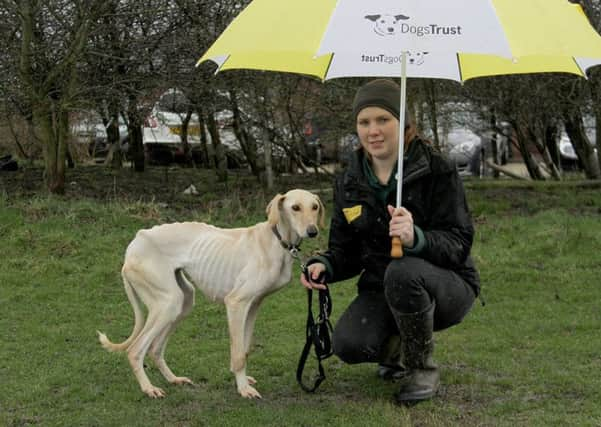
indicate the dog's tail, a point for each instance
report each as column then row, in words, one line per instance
column 138, row 324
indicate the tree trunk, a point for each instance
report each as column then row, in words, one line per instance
column 136, row 135
column 595, row 86
column 430, row 90
column 268, row 164
column 207, row 158
column 505, row 170
column 598, row 132
column 494, row 146
column 551, row 137
column 136, row 144
column 9, row 120
column 184, row 138
column 113, row 137
column 522, row 139
column 49, row 95
column 246, row 140
column 551, row 166
column 218, row 149
column 54, row 130
column 70, row 160
column 586, row 154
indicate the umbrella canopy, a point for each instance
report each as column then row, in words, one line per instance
column 351, row 38
column 458, row 39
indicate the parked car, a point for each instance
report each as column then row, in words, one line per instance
column 470, row 150
column 461, row 145
column 162, row 137
column 89, row 129
column 568, row 157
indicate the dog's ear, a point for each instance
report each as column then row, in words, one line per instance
column 322, row 213
column 399, row 17
column 372, row 18
column 273, row 209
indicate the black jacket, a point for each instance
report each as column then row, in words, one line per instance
column 432, row 191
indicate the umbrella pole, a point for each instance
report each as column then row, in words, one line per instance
column 396, row 250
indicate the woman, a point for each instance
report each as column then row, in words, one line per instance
column 433, row 286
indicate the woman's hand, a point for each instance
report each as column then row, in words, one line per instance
column 401, row 225
column 314, row 271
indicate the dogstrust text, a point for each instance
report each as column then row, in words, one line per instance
column 381, row 59
column 428, row 30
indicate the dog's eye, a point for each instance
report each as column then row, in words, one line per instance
column 315, row 207
column 382, row 21
column 296, row 208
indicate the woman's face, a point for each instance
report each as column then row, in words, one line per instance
column 378, row 131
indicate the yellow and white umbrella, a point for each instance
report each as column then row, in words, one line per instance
column 357, row 38
column 451, row 39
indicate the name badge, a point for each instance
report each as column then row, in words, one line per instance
column 352, row 214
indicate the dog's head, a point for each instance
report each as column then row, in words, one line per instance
column 416, row 58
column 386, row 25
column 299, row 210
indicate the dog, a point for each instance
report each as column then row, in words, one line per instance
column 164, row 266
column 386, row 25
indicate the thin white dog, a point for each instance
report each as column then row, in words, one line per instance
column 239, row 267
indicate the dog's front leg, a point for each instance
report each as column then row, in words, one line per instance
column 237, row 315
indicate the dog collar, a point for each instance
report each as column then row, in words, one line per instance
column 292, row 248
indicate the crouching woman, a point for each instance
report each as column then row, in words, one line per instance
column 400, row 302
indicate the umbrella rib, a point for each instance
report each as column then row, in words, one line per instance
column 325, row 75
column 580, row 68
column 459, row 67
column 223, row 63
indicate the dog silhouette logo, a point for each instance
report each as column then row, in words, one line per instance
column 386, row 25
column 416, row 58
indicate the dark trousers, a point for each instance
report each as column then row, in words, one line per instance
column 411, row 284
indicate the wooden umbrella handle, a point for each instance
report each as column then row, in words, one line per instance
column 396, row 251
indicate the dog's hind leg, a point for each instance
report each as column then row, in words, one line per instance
column 164, row 304
column 237, row 316
column 157, row 348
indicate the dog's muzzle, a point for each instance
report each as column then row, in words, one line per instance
column 312, row 231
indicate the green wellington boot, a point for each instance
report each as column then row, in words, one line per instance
column 417, row 345
column 390, row 366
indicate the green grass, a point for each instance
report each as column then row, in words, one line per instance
column 529, row 357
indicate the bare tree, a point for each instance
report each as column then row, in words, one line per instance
column 200, row 23
column 48, row 42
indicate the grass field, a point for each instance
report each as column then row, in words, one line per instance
column 530, row 357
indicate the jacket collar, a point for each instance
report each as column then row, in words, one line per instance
column 415, row 165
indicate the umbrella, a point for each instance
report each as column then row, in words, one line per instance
column 457, row 39
column 287, row 35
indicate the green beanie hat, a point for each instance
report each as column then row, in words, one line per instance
column 381, row 93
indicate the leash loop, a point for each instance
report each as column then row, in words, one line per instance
column 317, row 335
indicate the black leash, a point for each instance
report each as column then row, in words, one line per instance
column 318, row 335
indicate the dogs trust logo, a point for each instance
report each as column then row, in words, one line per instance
column 413, row 58
column 391, row 25
column 386, row 25
column 416, row 58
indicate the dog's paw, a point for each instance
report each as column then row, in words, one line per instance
column 251, row 380
column 181, row 380
column 249, row 392
column 155, row 392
